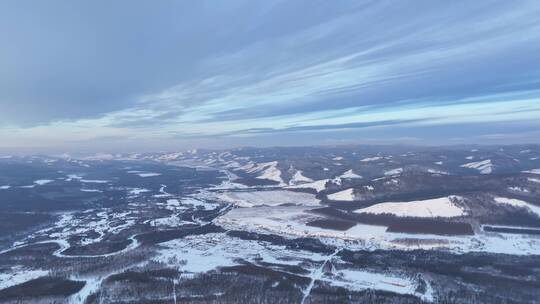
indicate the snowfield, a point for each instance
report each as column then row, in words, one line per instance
column 137, row 191
column 299, row 178
column 266, row 170
column 370, row 159
column 534, row 180
column 291, row 221
column 484, row 166
column 18, row 275
column 356, row 279
column 533, row 171
column 518, row 203
column 396, row 171
column 350, row 174
column 90, row 190
column 94, row 181
column 318, row 186
column 273, row 174
column 143, row 173
column 197, row 254
column 41, row 182
column 439, row 207
column 210, row 251
column 148, row 174
column 345, row 195
column 268, row 198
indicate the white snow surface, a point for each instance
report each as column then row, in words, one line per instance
column 18, row 275
column 291, row 221
column 268, row 198
column 345, row 195
column 271, row 172
column 319, row 185
column 358, row 279
column 148, row 174
column 94, row 181
column 484, row 166
column 435, row 171
column 534, row 180
column 518, row 203
column 90, row 190
column 533, row 171
column 369, row 159
column 396, row 171
column 349, row 174
column 5, row 187
column 299, row 178
column 137, row 191
column 203, row 253
column 42, row 182
column 438, row 207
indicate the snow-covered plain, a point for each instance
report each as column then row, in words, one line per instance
column 291, row 221
column 358, row 279
column 196, row 254
column 268, row 198
column 207, row 252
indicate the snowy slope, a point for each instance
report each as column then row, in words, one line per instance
column 345, row 195
column 518, row 203
column 439, row 207
column 299, row 178
column 349, row 174
column 319, row 185
column 484, row 166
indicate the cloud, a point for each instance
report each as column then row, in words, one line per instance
column 205, row 68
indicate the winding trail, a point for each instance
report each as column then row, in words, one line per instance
column 64, row 245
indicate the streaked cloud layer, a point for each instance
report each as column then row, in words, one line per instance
column 216, row 73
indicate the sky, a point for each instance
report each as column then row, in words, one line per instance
column 162, row 75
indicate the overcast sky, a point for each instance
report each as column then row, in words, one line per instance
column 161, row 75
